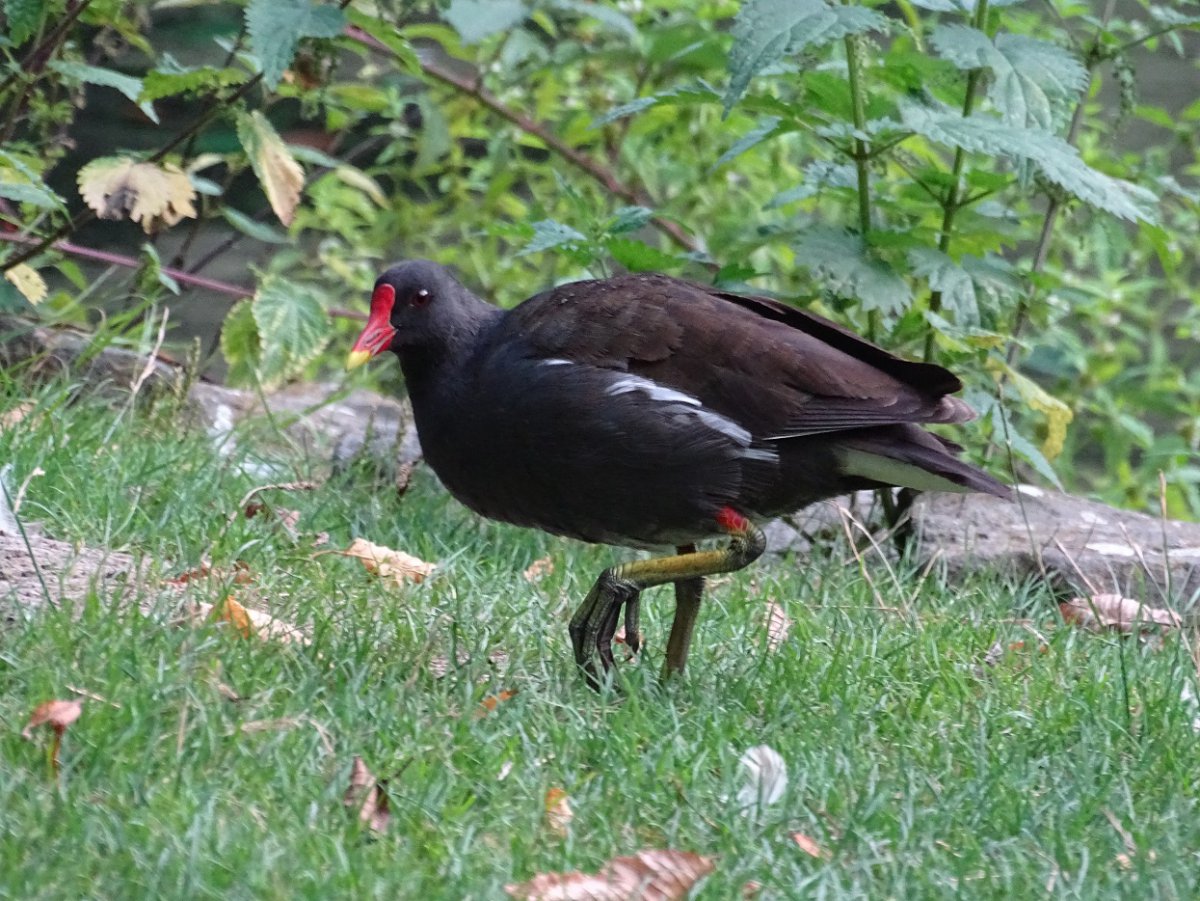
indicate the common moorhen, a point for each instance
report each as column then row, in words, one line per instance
column 644, row 411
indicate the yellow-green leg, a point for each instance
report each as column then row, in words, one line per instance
column 595, row 622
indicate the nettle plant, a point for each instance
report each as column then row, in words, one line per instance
column 941, row 175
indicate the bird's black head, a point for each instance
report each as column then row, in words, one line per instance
column 415, row 304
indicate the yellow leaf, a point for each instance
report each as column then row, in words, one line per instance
column 117, row 187
column 28, row 281
column 1058, row 415
column 389, row 564
column 278, row 172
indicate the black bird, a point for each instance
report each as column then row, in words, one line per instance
column 644, row 411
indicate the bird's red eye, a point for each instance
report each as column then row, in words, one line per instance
column 419, row 298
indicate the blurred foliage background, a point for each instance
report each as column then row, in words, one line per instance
column 1009, row 189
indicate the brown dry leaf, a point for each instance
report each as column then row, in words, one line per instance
column 1112, row 611
column 778, row 625
column 491, row 702
column 29, row 282
column 389, row 564
column 250, row 623
column 241, row 575
column 646, row 876
column 808, row 845
column 55, row 714
column 278, row 172
column 539, row 569
column 368, row 796
column 14, row 415
column 558, row 811
column 154, row 195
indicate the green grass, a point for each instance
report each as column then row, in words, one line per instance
column 922, row 773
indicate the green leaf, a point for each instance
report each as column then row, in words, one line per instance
column 475, row 20
column 767, row 30
column 767, row 127
column 1058, row 161
column 548, row 234
column 292, row 328
column 686, row 95
column 385, row 32
column 845, row 266
column 1027, row 451
column 128, row 85
column 259, row 231
column 171, row 79
column 605, row 15
column 152, row 271
column 628, row 219
column 638, row 257
column 276, row 27
column 1030, row 77
column 240, row 345
column 817, row 175
column 950, row 280
column 24, row 192
column 23, row 18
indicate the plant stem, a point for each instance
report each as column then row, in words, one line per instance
column 861, row 154
column 953, row 202
column 1042, row 249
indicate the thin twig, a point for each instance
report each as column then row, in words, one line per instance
column 186, row 278
column 601, row 173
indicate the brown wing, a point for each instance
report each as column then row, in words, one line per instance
column 776, row 370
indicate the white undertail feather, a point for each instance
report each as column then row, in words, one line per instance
column 894, row 472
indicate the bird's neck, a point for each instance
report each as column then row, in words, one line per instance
column 433, row 363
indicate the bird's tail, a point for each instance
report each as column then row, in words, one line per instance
column 910, row 457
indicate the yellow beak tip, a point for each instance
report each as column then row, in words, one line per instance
column 357, row 358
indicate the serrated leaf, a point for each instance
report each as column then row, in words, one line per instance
column 1057, row 414
column 628, row 219
column 765, row 31
column 845, row 265
column 1030, row 77
column 292, row 328
column 259, row 231
column 28, row 281
column 548, row 234
column 154, row 195
column 128, row 85
column 277, row 26
column 1059, row 161
column 680, row 96
column 172, row 81
column 639, row 257
column 817, row 175
column 767, row 127
column 278, row 172
column 240, row 345
column 475, row 20
column 37, row 195
column 950, row 280
column 23, row 18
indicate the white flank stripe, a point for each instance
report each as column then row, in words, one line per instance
column 715, row 421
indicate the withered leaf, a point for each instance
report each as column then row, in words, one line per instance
column 778, row 625
column 368, row 796
column 55, row 714
column 29, row 282
column 490, row 703
column 645, row 876
column 278, row 172
column 558, row 811
column 397, row 566
column 1113, row 611
column 250, row 623
column 808, row 845
column 154, row 195
column 539, row 569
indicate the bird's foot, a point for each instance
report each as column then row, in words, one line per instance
column 595, row 623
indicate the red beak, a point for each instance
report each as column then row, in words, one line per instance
column 378, row 335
